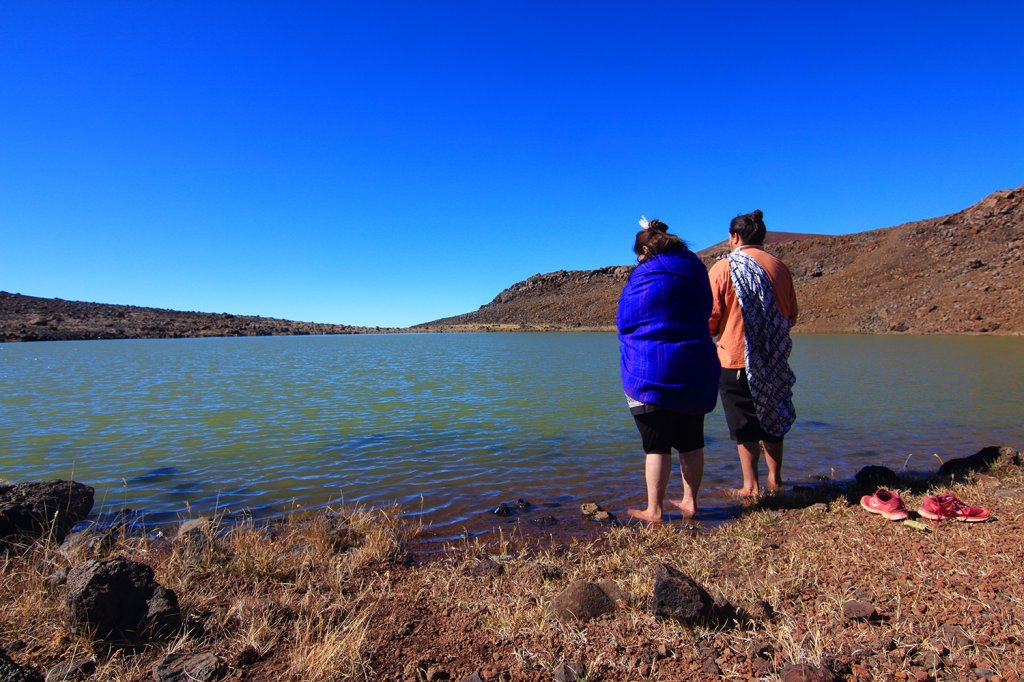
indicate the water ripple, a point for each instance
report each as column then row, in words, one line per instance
column 449, row 425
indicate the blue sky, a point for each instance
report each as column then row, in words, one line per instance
column 391, row 163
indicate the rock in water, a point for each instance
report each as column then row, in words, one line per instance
column 677, row 595
column 45, row 509
column 119, row 600
column 877, row 477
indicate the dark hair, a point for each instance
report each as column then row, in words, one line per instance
column 750, row 227
column 657, row 239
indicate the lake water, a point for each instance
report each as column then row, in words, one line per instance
column 450, row 425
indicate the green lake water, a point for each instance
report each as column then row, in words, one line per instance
column 449, row 425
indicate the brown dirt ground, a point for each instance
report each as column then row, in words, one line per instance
column 291, row 603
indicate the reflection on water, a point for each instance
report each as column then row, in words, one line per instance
column 450, row 425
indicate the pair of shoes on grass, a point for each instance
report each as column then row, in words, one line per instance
column 889, row 505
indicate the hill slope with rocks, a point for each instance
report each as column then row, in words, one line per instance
column 30, row 318
column 957, row 274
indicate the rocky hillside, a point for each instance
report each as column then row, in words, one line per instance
column 28, row 318
column 958, row 274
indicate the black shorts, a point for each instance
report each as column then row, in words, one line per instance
column 662, row 430
column 738, row 405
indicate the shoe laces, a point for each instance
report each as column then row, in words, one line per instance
column 949, row 505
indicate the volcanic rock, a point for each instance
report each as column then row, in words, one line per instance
column 570, row 671
column 12, row 672
column 74, row 669
column 877, row 477
column 676, row 595
column 805, row 672
column 48, row 508
column 581, row 601
column 181, row 667
column 983, row 460
column 119, row 600
column 858, row 609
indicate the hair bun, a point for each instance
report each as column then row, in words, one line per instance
column 657, row 226
column 758, row 216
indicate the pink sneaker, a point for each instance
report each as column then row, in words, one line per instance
column 885, row 502
column 945, row 506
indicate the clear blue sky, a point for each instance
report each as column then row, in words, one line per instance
column 391, row 163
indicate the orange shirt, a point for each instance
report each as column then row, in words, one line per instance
column 726, row 317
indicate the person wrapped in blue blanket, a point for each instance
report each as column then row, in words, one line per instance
column 669, row 365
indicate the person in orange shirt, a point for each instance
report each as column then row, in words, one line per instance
column 753, row 307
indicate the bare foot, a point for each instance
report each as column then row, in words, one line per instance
column 644, row 515
column 688, row 508
column 742, row 492
column 774, row 487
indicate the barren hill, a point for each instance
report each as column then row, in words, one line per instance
column 958, row 274
column 29, row 318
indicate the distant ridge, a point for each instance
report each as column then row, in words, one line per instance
column 30, row 318
column 957, row 274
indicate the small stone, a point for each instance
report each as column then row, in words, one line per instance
column 483, row 568
column 181, row 667
column 75, row 669
column 818, row 508
column 930, row 660
column 805, row 672
column 548, row 572
column 437, row 674
column 570, row 671
column 589, row 508
column 195, row 531
column 523, row 504
column 580, row 601
column 501, row 510
column 858, row 609
column 710, row 667
column 12, row 672
column 544, row 521
column 473, row 677
column 954, row 636
column 56, row 579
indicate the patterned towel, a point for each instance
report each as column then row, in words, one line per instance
column 768, row 345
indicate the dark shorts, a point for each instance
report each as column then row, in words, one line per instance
column 662, row 430
column 738, row 405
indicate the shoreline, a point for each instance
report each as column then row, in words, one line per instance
column 339, row 596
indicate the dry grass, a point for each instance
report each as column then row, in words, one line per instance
column 329, row 597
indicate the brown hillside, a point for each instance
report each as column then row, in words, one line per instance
column 958, row 274
column 29, row 318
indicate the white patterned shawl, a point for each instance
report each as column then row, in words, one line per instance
column 767, row 345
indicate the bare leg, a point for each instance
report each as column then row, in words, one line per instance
column 773, row 457
column 691, row 465
column 749, row 454
column 657, row 470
